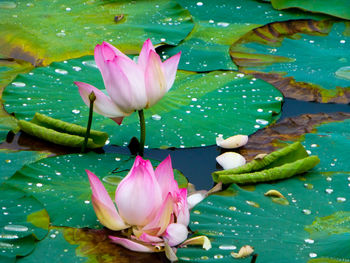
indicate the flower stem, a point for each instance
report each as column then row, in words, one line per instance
column 142, row 132
column 92, row 99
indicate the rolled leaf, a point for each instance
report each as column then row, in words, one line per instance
column 281, row 172
column 60, row 132
column 287, row 154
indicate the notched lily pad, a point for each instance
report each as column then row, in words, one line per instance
column 196, row 109
column 68, row 22
column 291, row 54
column 290, row 129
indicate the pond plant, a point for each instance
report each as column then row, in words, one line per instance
column 76, row 187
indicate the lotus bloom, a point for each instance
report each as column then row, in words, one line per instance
column 130, row 85
column 148, row 202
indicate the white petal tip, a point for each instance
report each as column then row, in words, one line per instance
column 232, row 142
column 230, row 160
column 195, row 198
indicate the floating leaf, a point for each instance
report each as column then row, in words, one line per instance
column 11, row 161
column 290, row 129
column 338, row 8
column 193, row 113
column 311, row 227
column 123, row 23
column 62, row 185
column 84, row 245
column 290, row 55
column 218, row 25
column 281, row 164
column 9, row 69
column 62, row 133
column 18, row 232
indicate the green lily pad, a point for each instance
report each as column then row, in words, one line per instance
column 23, row 220
column 218, row 25
column 311, row 225
column 197, row 108
column 62, row 185
column 123, row 23
column 11, row 161
column 338, row 8
column 84, row 245
column 8, row 71
column 293, row 62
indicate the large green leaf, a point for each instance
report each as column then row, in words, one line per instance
column 72, row 28
column 11, row 161
column 62, row 185
column 23, row 220
column 84, row 245
column 338, row 8
column 311, row 224
column 309, row 66
column 218, row 25
column 196, row 109
column 9, row 69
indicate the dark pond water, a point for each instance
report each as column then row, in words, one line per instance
column 197, row 164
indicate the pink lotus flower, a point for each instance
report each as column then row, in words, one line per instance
column 131, row 86
column 149, row 202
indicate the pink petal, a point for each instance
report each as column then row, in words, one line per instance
column 118, row 120
column 103, row 205
column 124, row 82
column 165, row 177
column 150, row 239
column 163, row 217
column 103, row 104
column 155, row 81
column 170, row 68
column 138, row 195
column 143, row 58
column 105, row 52
column 175, row 234
column 132, row 245
column 182, row 211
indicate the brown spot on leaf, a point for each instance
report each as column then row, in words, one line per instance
column 95, row 245
column 303, row 90
column 290, row 129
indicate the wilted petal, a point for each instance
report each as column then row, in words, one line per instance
column 232, row 142
column 244, row 251
column 170, row 252
column 124, row 82
column 155, row 81
column 165, row 178
column 200, row 240
column 170, row 69
column 175, row 234
column 182, row 210
column 103, row 104
column 162, row 219
column 143, row 58
column 132, row 245
column 195, row 198
column 138, row 195
column 103, row 205
column 230, row 160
